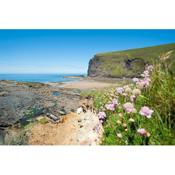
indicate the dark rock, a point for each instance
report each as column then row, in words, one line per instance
column 23, row 103
column 94, row 68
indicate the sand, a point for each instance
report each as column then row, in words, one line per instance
column 82, row 129
column 83, row 84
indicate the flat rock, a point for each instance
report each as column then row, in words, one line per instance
column 19, row 98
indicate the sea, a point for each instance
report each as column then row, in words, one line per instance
column 41, row 78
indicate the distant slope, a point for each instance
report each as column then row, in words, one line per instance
column 130, row 63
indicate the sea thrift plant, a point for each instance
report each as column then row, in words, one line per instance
column 102, row 116
column 146, row 111
column 143, row 132
column 115, row 102
column 132, row 98
column 110, row 106
column 143, row 83
column 120, row 90
column 125, row 111
column 128, row 90
column 136, row 92
column 129, row 107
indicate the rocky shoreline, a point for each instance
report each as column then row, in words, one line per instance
column 22, row 102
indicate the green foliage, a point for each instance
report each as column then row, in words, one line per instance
column 162, row 94
column 43, row 121
column 159, row 96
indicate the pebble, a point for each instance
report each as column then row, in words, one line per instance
column 79, row 120
column 79, row 110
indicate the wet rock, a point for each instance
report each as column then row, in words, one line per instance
column 28, row 100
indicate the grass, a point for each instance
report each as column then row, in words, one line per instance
column 113, row 63
column 159, row 96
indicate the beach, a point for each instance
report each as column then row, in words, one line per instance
column 84, row 84
column 54, row 104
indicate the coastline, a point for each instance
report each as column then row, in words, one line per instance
column 48, row 101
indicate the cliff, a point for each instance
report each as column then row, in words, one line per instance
column 130, row 63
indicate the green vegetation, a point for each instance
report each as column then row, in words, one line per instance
column 114, row 63
column 133, row 128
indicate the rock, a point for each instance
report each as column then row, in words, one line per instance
column 62, row 112
column 79, row 110
column 51, row 116
column 79, row 120
column 3, row 94
column 26, row 100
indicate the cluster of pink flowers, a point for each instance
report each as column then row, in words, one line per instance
column 129, row 107
column 130, row 93
column 145, row 82
column 112, row 106
column 120, row 90
column 146, row 111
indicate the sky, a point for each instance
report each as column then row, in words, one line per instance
column 68, row 51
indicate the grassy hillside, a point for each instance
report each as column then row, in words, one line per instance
column 129, row 63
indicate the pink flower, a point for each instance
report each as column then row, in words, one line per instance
column 102, row 116
column 110, row 106
column 120, row 90
column 115, row 102
column 144, row 83
column 143, row 132
column 146, row 111
column 129, row 107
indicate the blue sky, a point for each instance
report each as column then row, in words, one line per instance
column 68, row 51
